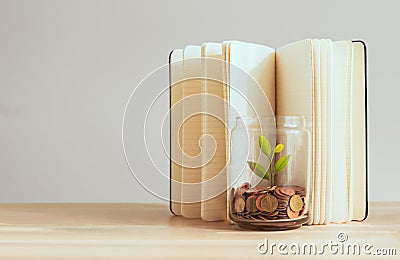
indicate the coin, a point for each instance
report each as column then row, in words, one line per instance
column 255, row 218
column 283, row 202
column 232, row 195
column 244, row 216
column 242, row 189
column 255, row 189
column 291, row 213
column 269, row 203
column 245, row 185
column 239, row 204
column 240, row 192
column 299, row 189
column 287, row 190
column 303, row 210
column 281, row 193
column 258, row 202
column 296, row 203
column 251, row 204
column 263, row 217
column 270, row 214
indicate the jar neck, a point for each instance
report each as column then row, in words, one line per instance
column 290, row 122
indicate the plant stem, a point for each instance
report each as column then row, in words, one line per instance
column 272, row 181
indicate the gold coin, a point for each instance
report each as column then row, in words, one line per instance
column 251, row 204
column 296, row 203
column 239, row 204
column 269, row 203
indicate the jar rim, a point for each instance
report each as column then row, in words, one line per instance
column 290, row 121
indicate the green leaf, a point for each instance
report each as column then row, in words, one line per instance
column 281, row 163
column 265, row 146
column 259, row 170
column 279, row 148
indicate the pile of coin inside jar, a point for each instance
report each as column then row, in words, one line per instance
column 268, row 203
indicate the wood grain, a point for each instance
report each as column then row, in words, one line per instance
column 149, row 231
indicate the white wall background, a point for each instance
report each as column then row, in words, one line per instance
column 67, row 69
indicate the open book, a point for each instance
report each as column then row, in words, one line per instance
column 323, row 80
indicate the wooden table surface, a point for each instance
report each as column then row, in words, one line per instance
column 149, row 231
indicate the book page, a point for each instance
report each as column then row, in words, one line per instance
column 295, row 96
column 358, row 142
column 295, row 80
column 226, row 47
column 258, row 63
column 349, row 133
column 213, row 173
column 251, row 94
column 340, row 84
column 176, row 93
column 191, row 133
column 323, row 101
column 326, row 128
column 318, row 179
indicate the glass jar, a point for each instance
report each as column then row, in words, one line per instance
column 269, row 172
